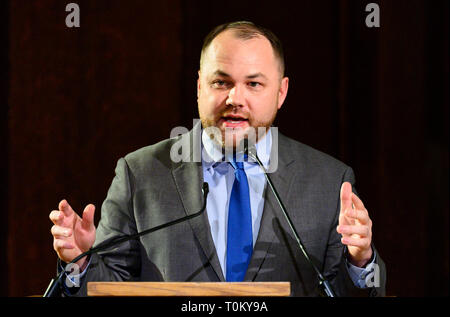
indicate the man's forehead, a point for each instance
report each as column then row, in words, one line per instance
column 229, row 42
column 228, row 51
column 234, row 36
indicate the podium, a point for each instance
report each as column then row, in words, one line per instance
column 231, row 289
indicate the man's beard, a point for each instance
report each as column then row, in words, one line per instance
column 231, row 137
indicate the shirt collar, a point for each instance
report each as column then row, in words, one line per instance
column 212, row 154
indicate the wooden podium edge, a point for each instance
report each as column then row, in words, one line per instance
column 238, row 289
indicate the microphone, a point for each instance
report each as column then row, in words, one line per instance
column 250, row 149
column 54, row 288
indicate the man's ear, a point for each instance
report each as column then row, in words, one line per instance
column 282, row 92
column 198, row 84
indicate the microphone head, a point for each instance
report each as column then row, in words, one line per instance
column 205, row 188
column 249, row 147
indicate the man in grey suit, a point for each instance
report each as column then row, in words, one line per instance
column 241, row 86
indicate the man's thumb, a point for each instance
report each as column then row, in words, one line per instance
column 88, row 217
column 346, row 196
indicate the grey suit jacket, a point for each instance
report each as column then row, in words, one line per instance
column 150, row 189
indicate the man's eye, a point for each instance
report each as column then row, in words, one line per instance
column 219, row 83
column 254, row 84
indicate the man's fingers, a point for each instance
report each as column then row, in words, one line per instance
column 356, row 242
column 59, row 231
column 87, row 221
column 362, row 231
column 65, row 208
column 357, row 202
column 361, row 215
column 59, row 245
column 56, row 216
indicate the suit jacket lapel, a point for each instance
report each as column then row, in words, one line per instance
column 188, row 177
column 281, row 179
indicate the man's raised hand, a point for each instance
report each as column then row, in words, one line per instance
column 72, row 235
column 355, row 226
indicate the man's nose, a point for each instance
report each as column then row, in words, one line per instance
column 236, row 97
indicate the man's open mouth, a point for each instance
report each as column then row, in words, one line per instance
column 234, row 121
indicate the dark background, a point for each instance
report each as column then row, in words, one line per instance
column 76, row 100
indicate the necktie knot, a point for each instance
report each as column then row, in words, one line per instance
column 239, row 165
column 238, row 161
column 239, row 171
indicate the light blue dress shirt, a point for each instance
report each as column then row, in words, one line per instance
column 219, row 174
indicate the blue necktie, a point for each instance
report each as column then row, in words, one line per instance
column 239, row 233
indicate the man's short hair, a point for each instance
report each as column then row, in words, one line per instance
column 246, row 30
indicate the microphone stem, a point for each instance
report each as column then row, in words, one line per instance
column 118, row 240
column 322, row 281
